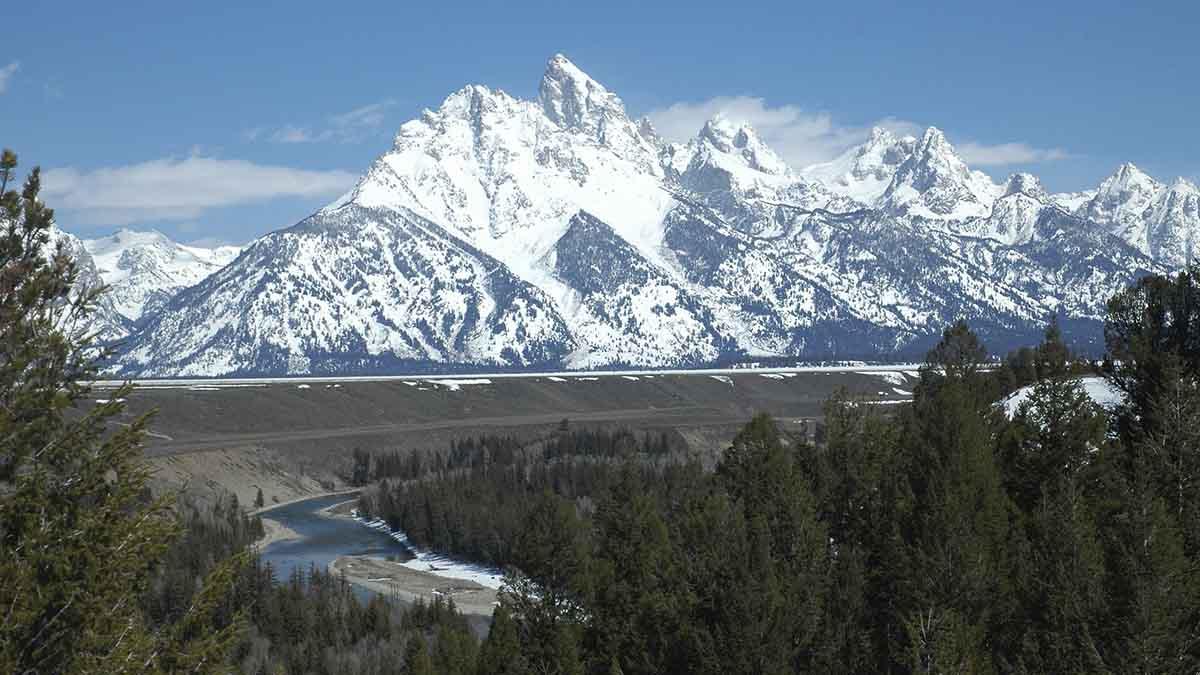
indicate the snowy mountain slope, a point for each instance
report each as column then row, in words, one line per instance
column 1159, row 220
column 508, row 175
column 933, row 182
column 865, row 172
column 145, row 269
column 107, row 322
column 507, row 233
column 352, row 290
column 627, row 305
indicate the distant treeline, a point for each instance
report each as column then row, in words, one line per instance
column 474, row 500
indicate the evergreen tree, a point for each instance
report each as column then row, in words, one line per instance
column 416, row 657
column 1059, row 566
column 1053, row 356
column 501, row 653
column 858, row 481
column 632, row 610
column 80, row 541
column 959, row 532
column 1151, row 327
column 786, row 547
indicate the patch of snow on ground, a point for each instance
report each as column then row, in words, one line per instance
column 1097, row 389
column 723, row 378
column 303, row 386
column 557, row 379
column 630, row 378
column 426, row 561
column 772, row 376
column 889, row 376
column 455, row 385
column 901, row 392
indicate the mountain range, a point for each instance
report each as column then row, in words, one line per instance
column 501, row 233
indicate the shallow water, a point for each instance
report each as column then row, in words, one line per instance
column 324, row 538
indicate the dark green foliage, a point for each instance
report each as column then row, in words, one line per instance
column 1153, row 328
column 79, row 537
column 476, row 499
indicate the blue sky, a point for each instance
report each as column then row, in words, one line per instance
column 219, row 122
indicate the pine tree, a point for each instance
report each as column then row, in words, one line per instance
column 416, row 657
column 786, row 551
column 501, row 654
column 632, row 610
column 958, row 555
column 1059, row 568
column 258, row 499
column 857, row 476
column 79, row 538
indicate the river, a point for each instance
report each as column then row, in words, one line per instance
column 323, row 538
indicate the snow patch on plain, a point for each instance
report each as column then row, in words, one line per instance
column 1097, row 388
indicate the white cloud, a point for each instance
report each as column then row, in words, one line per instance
column 179, row 189
column 804, row 138
column 347, row 127
column 979, row 154
column 6, row 74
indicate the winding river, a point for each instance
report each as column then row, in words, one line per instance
column 323, row 537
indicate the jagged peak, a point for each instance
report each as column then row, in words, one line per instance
column 572, row 98
column 740, row 138
column 1027, row 184
column 1129, row 172
column 934, row 141
column 647, row 131
column 1182, row 184
column 472, row 96
column 1128, row 178
column 879, row 137
column 720, row 131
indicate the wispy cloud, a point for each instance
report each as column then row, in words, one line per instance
column 799, row 136
column 6, row 74
column 179, row 189
column 348, row 127
column 804, row 138
column 1004, row 154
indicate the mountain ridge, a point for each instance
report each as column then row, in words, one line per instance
column 617, row 247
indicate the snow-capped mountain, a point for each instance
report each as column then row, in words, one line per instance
column 106, row 322
column 559, row 232
column 865, row 172
column 145, row 269
column 357, row 290
column 1159, row 220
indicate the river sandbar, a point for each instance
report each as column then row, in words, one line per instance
column 393, row 579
